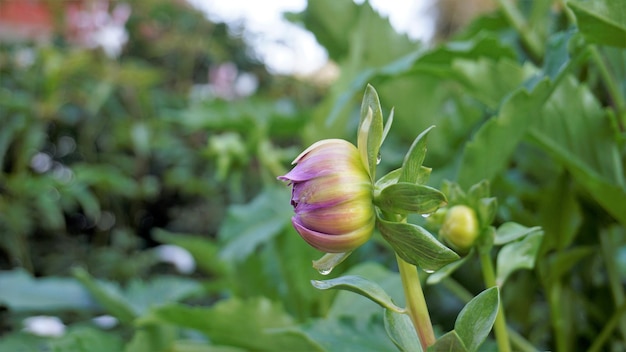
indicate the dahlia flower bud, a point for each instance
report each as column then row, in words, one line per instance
column 460, row 227
column 331, row 196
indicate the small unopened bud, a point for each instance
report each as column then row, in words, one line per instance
column 332, row 196
column 460, row 227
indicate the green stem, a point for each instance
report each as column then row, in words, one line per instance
column 613, row 272
column 416, row 303
column 502, row 334
column 518, row 22
column 608, row 329
column 609, row 80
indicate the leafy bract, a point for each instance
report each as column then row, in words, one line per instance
column 416, row 245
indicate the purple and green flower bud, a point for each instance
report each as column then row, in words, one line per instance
column 332, row 196
column 460, row 227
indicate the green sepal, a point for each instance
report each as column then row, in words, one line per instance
column 329, row 261
column 392, row 177
column 401, row 332
column 476, row 319
column 453, row 192
column 486, row 209
column 414, row 158
column 361, row 286
column 479, row 190
column 370, row 132
column 405, row 198
column 416, row 245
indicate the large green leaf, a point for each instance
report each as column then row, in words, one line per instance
column 601, row 21
column 21, row 292
column 85, row 339
column 492, row 146
column 491, row 81
column 348, row 335
column 248, row 226
column 108, row 295
column 255, row 324
column 477, row 317
column 575, row 130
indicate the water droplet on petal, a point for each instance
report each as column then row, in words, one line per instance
column 425, row 216
column 325, row 271
column 378, row 158
column 429, row 271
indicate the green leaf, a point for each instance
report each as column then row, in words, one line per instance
column 447, row 270
column 85, row 339
column 159, row 290
column 401, row 332
column 348, row 335
column 492, row 146
column 416, row 245
column 370, row 135
column 601, row 21
column 22, row 293
column 201, row 346
column 561, row 214
column 450, row 342
column 414, row 158
column 21, row 342
column 152, row 336
column 575, row 130
column 108, row 296
column 477, row 317
column 518, row 255
column 511, row 231
column 255, row 324
column 348, row 305
column 246, row 227
column 404, row 198
column 491, row 81
column 361, row 286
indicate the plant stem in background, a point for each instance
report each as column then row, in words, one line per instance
column 609, row 80
column 518, row 22
column 502, row 334
column 608, row 329
column 416, row 303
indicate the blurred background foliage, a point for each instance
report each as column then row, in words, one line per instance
column 177, row 140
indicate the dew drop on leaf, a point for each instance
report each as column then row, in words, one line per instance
column 378, row 158
column 325, row 271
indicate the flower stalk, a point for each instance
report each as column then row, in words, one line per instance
column 416, row 303
column 501, row 332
